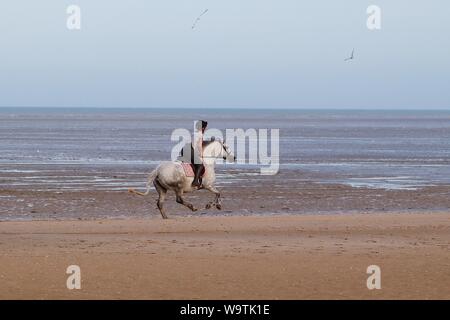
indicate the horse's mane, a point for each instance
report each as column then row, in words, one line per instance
column 208, row 142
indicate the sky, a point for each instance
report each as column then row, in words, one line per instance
column 242, row 54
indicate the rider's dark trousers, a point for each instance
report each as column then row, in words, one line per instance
column 198, row 164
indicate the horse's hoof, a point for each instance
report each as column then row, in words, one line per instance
column 219, row 206
column 208, row 206
column 194, row 209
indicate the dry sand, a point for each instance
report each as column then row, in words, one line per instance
column 236, row 257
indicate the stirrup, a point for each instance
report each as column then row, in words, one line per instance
column 199, row 185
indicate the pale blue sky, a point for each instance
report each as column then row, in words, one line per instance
column 243, row 53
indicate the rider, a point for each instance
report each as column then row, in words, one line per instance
column 197, row 151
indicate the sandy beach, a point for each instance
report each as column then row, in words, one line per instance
column 235, row 257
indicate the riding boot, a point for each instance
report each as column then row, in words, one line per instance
column 197, row 171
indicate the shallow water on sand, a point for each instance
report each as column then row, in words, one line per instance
column 76, row 163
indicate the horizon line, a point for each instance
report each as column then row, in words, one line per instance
column 238, row 108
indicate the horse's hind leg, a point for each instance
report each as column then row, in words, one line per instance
column 162, row 196
column 180, row 200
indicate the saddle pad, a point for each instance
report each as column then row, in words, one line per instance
column 188, row 170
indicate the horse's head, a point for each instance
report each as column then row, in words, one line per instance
column 217, row 149
column 227, row 154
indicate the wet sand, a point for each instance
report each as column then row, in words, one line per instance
column 234, row 257
column 243, row 193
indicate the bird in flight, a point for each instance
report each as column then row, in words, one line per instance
column 198, row 18
column 351, row 57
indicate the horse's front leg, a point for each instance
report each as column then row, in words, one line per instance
column 217, row 201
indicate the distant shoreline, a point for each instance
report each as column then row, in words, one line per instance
column 215, row 109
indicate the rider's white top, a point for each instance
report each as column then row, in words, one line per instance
column 198, row 142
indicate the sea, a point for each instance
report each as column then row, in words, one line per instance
column 387, row 149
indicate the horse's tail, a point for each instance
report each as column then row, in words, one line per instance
column 151, row 177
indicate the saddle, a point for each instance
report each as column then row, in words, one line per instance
column 185, row 159
column 189, row 170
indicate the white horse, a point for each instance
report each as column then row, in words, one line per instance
column 170, row 175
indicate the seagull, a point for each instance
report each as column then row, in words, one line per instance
column 198, row 18
column 351, row 57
